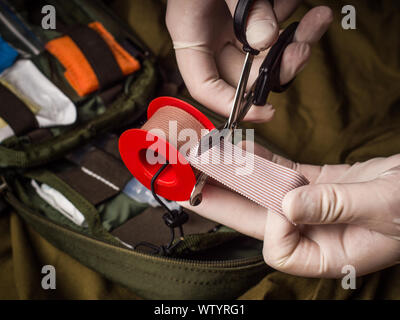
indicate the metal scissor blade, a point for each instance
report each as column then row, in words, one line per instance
column 214, row 137
column 196, row 196
column 210, row 140
column 246, row 104
column 240, row 90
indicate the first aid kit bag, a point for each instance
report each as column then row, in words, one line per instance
column 68, row 92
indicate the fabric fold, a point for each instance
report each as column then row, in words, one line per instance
column 50, row 106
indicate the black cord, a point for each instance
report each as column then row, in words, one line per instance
column 153, row 181
column 173, row 218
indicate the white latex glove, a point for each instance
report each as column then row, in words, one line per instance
column 348, row 215
column 210, row 57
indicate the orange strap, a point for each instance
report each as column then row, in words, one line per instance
column 79, row 72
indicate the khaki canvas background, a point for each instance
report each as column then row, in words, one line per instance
column 344, row 107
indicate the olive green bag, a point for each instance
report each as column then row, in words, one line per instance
column 216, row 263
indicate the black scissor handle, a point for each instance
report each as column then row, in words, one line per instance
column 269, row 76
column 240, row 23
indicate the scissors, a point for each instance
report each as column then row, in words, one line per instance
column 268, row 80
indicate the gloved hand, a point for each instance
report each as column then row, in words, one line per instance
column 210, row 57
column 348, row 215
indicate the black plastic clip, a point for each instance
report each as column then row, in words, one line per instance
column 175, row 218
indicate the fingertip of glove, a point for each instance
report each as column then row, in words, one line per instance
column 296, row 204
column 261, row 34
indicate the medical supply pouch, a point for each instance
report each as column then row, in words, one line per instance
column 67, row 93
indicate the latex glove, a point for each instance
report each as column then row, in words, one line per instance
column 348, row 215
column 210, row 57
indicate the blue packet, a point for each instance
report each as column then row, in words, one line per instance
column 7, row 55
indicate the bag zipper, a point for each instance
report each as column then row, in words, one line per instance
column 189, row 263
